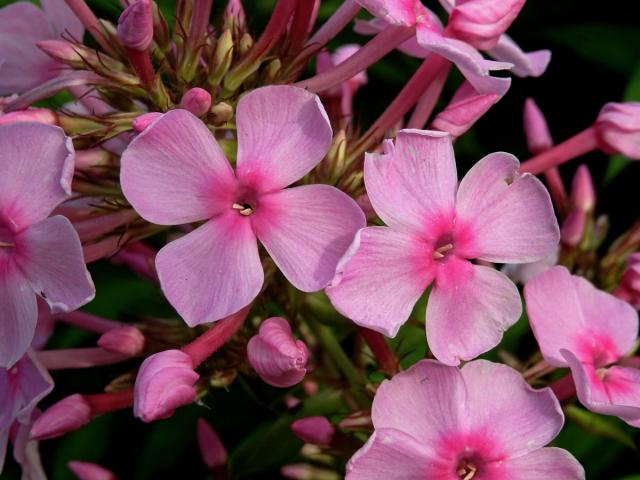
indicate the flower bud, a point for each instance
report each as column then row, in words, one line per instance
column 214, row 454
column 143, row 121
column 618, row 129
column 572, row 229
column 465, row 109
column 90, row 471
column 276, row 356
column 234, row 17
column 629, row 289
column 67, row 415
column 164, row 382
column 135, row 26
column 535, row 128
column 583, row 194
column 36, row 115
column 127, row 340
column 357, row 421
column 481, row 22
column 197, row 101
column 316, row 430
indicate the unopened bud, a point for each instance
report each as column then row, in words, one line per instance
column 70, row 413
column 535, row 128
column 357, row 421
column 197, row 101
column 583, row 194
column 127, row 340
column 221, row 113
column 141, row 122
column 572, row 229
column 465, row 109
column 316, row 430
column 90, row 471
column 213, row 451
column 222, row 58
column 618, row 129
column 135, row 26
column 35, row 115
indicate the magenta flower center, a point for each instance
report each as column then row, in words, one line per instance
column 246, row 201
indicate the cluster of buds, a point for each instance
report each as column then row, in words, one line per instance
column 203, row 160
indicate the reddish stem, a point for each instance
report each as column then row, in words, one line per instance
column 300, row 24
column 78, row 358
column 272, row 32
column 581, row 143
column 206, row 344
column 564, row 388
column 387, row 360
column 89, row 322
column 427, row 102
column 141, row 63
column 340, row 18
column 556, row 189
column 109, row 402
column 91, row 23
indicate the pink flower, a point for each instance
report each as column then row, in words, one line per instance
column 316, row 430
column 22, row 25
column 618, row 129
column 276, row 355
column 21, row 388
column 629, row 288
column 38, row 255
column 587, row 330
column 496, row 215
column 482, row 422
column 90, row 471
column 175, row 172
column 164, row 382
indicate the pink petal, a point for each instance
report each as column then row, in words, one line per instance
column 19, row 315
column 401, row 403
column 381, row 260
column 567, row 312
column 306, row 230
column 395, row 12
column 36, row 162
column 473, row 66
column 50, row 256
column 462, row 112
column 22, row 64
column 507, row 217
column 213, row 271
column 531, row 64
column 614, row 391
column 63, row 19
column 283, row 132
column 392, row 454
column 467, row 318
column 554, row 463
column 175, row 172
column 413, row 185
column 503, row 406
column 372, row 27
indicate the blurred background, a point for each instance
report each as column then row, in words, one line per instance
column 596, row 59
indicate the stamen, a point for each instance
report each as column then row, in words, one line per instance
column 440, row 251
column 6, row 245
column 467, row 471
column 243, row 209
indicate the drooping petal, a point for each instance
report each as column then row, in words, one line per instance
column 306, row 230
column 283, row 132
column 548, row 462
column 50, row 257
column 175, row 172
column 413, row 186
column 473, row 66
column 18, row 315
column 394, row 12
column 36, row 162
column 503, row 406
column 567, row 312
column 64, row 21
column 532, row 64
column 22, row 64
column 380, row 278
column 505, row 217
column 614, row 391
column 467, row 318
column 34, row 382
column 390, row 453
column 401, row 403
column 213, row 271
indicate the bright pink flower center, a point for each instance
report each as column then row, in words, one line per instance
column 245, row 200
column 598, row 349
column 443, row 246
column 471, row 456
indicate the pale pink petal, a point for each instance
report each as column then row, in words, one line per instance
column 35, row 383
column 503, row 406
column 473, row 66
column 283, row 132
column 612, row 391
column 22, row 64
column 463, row 111
column 550, row 462
column 306, row 230
column 468, row 317
column 18, row 315
column 36, row 162
column 567, row 312
column 65, row 22
column 175, row 172
column 213, row 271
column 50, row 256
column 504, row 216
column 395, row 12
column 392, row 454
column 380, row 278
column 372, row 27
column 413, row 185
column 532, row 64
column 427, row 402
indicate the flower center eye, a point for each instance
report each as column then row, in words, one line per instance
column 243, row 208
column 466, row 470
column 6, row 237
column 443, row 245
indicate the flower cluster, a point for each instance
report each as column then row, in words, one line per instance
column 287, row 247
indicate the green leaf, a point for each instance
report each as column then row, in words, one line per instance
column 599, row 425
